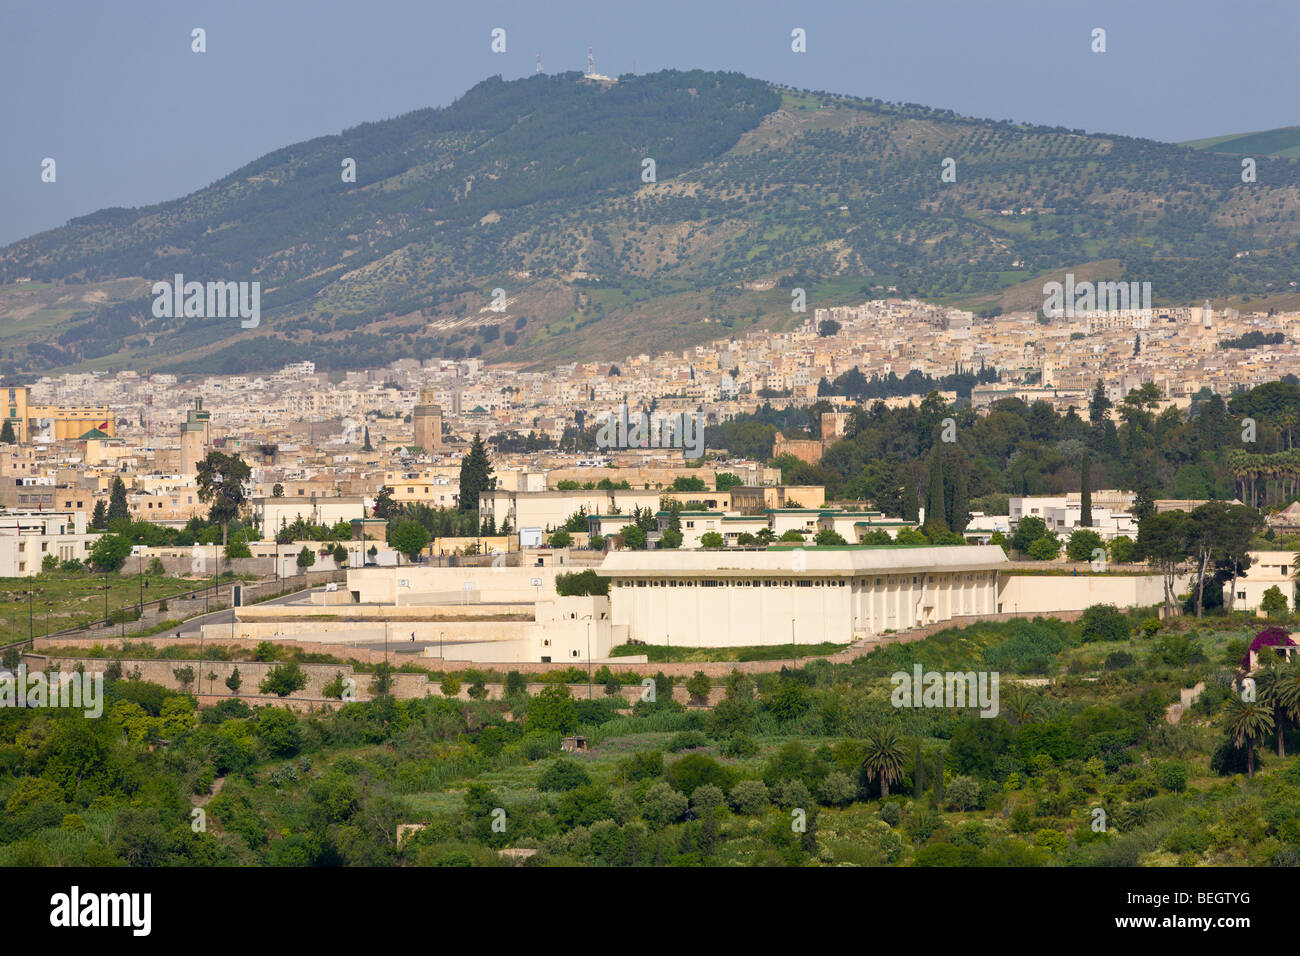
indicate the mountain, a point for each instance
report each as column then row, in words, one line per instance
column 535, row 187
column 1282, row 142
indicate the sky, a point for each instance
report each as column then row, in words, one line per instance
column 114, row 94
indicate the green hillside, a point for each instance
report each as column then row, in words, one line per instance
column 535, row 187
column 1283, row 142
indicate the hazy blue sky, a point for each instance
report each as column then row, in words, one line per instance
column 113, row 93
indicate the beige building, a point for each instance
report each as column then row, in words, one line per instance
column 196, row 437
column 550, row 509
column 426, row 420
column 1268, row 569
column 835, row 595
column 26, row 538
column 272, row 514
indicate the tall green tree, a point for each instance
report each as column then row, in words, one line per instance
column 221, row 480
column 476, row 475
column 117, row 506
column 99, row 517
column 7, row 436
column 1163, row 542
column 911, row 504
column 935, row 522
column 1085, row 492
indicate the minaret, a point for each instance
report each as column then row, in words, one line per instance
column 539, row 63
column 1207, row 315
column 591, row 62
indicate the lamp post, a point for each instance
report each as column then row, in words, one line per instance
column 588, row 660
column 794, row 653
column 141, row 585
column 106, row 621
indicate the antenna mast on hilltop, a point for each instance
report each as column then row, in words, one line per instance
column 591, row 62
column 539, row 63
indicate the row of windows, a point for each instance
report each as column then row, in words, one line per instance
column 775, row 582
column 730, row 583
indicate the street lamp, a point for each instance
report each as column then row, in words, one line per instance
column 588, row 660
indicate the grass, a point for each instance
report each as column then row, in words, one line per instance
column 65, row 599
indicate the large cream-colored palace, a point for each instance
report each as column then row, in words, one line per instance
column 737, row 598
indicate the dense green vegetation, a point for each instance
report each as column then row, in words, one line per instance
column 812, row 766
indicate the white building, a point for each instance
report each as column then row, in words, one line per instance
column 26, row 537
column 1267, row 569
column 697, row 599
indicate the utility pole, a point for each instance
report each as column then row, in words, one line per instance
column 794, row 652
column 588, row 660
column 141, row 583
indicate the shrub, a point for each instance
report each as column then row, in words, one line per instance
column 563, row 775
column 749, row 797
column 1172, row 775
column 663, row 805
column 837, row 789
column 963, row 793
column 1103, row 622
column 283, row 680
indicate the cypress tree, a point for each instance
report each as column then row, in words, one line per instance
column 117, row 506
column 934, row 510
column 475, row 475
column 918, row 786
column 910, row 503
column 7, row 436
column 1085, row 492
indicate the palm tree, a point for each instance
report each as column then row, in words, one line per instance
column 1288, row 693
column 884, row 756
column 1270, row 681
column 1021, row 705
column 1248, row 722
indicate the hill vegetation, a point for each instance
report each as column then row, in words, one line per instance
column 535, row 187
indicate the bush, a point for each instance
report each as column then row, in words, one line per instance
column 663, row 805
column 1172, row 775
column 837, row 789
column 283, row 680
column 1103, row 622
column 563, row 775
column 749, row 797
column 963, row 793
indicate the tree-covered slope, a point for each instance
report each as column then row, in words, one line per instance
column 535, row 187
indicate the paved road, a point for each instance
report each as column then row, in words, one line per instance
column 191, row 627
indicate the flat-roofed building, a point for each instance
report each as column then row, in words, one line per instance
column 27, row 538
column 832, row 594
